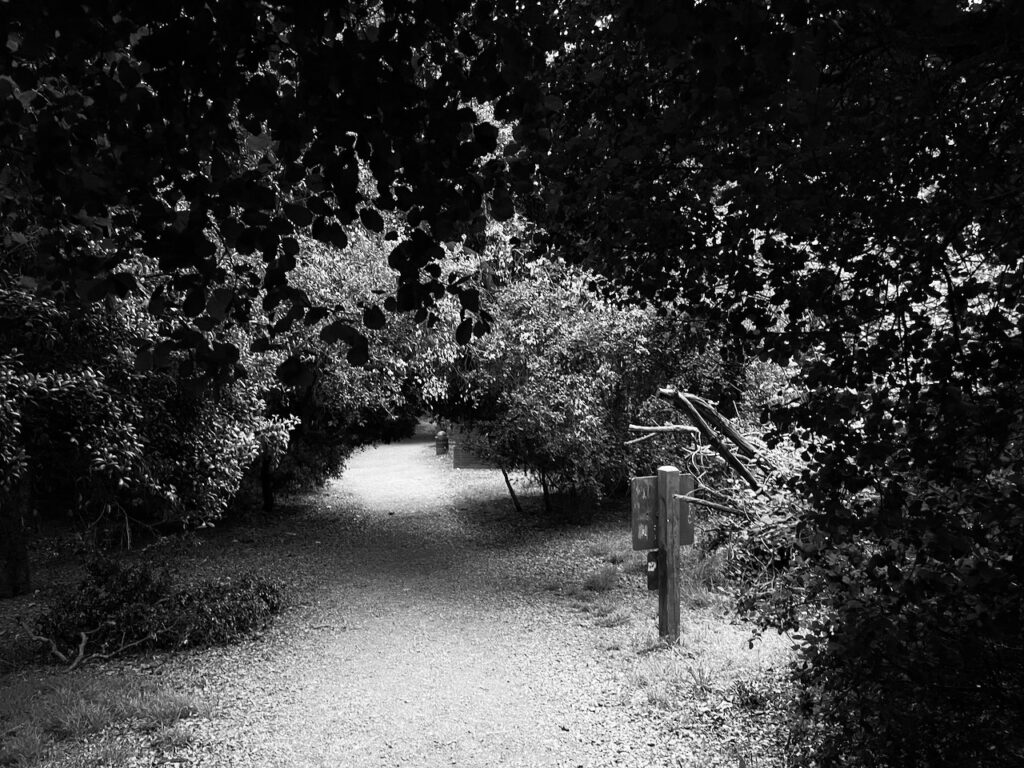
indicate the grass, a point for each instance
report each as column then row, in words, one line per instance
column 701, row 579
column 40, row 717
column 615, row 618
column 602, row 580
column 711, row 666
column 611, row 551
column 712, row 660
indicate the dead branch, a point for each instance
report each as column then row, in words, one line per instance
column 121, row 649
column 706, row 503
column 81, row 657
column 81, row 648
column 636, row 440
column 665, row 428
column 722, row 424
column 682, row 403
column 62, row 657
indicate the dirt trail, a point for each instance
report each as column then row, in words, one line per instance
column 427, row 639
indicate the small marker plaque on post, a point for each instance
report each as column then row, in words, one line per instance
column 644, row 501
column 652, row 571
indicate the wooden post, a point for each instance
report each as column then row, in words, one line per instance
column 668, row 553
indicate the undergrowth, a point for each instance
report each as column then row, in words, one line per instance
column 131, row 607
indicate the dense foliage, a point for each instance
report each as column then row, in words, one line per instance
column 118, row 444
column 190, row 134
column 836, row 184
column 175, row 173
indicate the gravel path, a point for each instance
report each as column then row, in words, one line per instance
column 428, row 640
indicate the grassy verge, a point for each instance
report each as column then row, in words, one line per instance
column 718, row 692
column 85, row 719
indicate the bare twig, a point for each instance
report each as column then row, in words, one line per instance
column 636, row 440
column 113, row 653
column 722, row 424
column 81, row 657
column 81, row 648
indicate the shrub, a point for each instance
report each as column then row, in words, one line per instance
column 221, row 612
column 553, row 386
column 119, row 607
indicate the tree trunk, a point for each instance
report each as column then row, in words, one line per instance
column 512, row 493
column 14, row 572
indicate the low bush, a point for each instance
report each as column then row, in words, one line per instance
column 120, row 607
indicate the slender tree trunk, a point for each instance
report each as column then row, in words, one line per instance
column 511, row 492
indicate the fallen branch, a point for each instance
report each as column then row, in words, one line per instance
column 111, row 654
column 722, row 424
column 682, row 403
column 81, row 648
column 80, row 656
column 62, row 657
column 706, row 503
column 666, row 428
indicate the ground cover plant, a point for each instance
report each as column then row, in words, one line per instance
column 119, row 607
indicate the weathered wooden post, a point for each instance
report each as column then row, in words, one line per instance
column 656, row 527
column 661, row 522
column 668, row 553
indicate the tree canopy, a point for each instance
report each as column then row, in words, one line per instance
column 188, row 134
